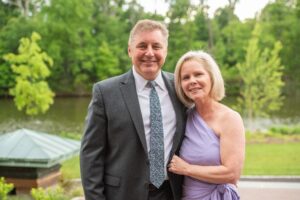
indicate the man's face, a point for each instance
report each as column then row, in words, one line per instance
column 148, row 52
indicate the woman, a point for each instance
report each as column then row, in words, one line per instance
column 212, row 152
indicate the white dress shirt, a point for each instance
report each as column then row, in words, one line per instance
column 167, row 110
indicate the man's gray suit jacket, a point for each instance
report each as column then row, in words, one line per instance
column 113, row 157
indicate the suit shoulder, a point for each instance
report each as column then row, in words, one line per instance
column 110, row 82
column 169, row 75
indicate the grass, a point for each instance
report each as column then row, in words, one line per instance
column 272, row 159
column 261, row 159
column 274, row 152
column 19, row 197
column 70, row 168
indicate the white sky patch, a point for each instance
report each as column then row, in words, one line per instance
column 244, row 8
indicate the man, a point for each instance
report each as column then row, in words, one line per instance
column 119, row 158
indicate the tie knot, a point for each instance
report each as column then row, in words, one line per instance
column 152, row 84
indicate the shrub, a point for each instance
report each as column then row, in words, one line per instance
column 286, row 130
column 48, row 194
column 5, row 188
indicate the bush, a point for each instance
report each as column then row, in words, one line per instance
column 48, row 194
column 286, row 130
column 5, row 188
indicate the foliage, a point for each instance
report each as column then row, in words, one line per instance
column 5, row 188
column 93, row 26
column 182, row 26
column 26, row 7
column 261, row 74
column 6, row 79
column 87, row 39
column 56, row 193
column 31, row 91
column 279, row 23
column 6, row 12
column 107, row 64
column 65, row 27
column 286, row 130
column 10, row 35
column 235, row 37
column 272, row 135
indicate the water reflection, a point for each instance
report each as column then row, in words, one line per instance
column 289, row 114
column 67, row 115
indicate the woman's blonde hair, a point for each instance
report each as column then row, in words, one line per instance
column 217, row 90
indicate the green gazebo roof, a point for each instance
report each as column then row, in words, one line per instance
column 27, row 148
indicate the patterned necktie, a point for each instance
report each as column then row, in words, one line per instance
column 156, row 154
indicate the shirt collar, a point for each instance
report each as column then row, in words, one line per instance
column 141, row 83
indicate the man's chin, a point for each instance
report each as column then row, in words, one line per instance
column 149, row 64
column 150, row 68
column 150, row 74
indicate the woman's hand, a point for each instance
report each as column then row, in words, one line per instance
column 178, row 166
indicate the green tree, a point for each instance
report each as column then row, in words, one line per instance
column 261, row 75
column 65, row 29
column 31, row 91
column 75, row 47
column 12, row 28
column 108, row 63
column 183, row 30
column 27, row 8
column 280, row 21
column 6, row 12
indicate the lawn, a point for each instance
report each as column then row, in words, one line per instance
column 266, row 154
column 262, row 158
column 70, row 168
column 272, row 159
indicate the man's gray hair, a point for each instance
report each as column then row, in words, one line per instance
column 148, row 25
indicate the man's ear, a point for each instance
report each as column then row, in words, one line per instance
column 129, row 51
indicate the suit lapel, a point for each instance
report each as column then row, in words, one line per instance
column 128, row 90
column 178, row 112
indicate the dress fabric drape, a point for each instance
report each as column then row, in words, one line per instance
column 201, row 146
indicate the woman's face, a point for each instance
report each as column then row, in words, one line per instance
column 195, row 80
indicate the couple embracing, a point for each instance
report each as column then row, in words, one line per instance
column 152, row 135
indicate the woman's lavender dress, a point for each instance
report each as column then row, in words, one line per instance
column 202, row 146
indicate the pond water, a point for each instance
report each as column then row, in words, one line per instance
column 65, row 115
column 68, row 114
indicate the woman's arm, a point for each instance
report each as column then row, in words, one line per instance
column 232, row 150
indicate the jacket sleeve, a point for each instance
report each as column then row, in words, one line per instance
column 93, row 147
